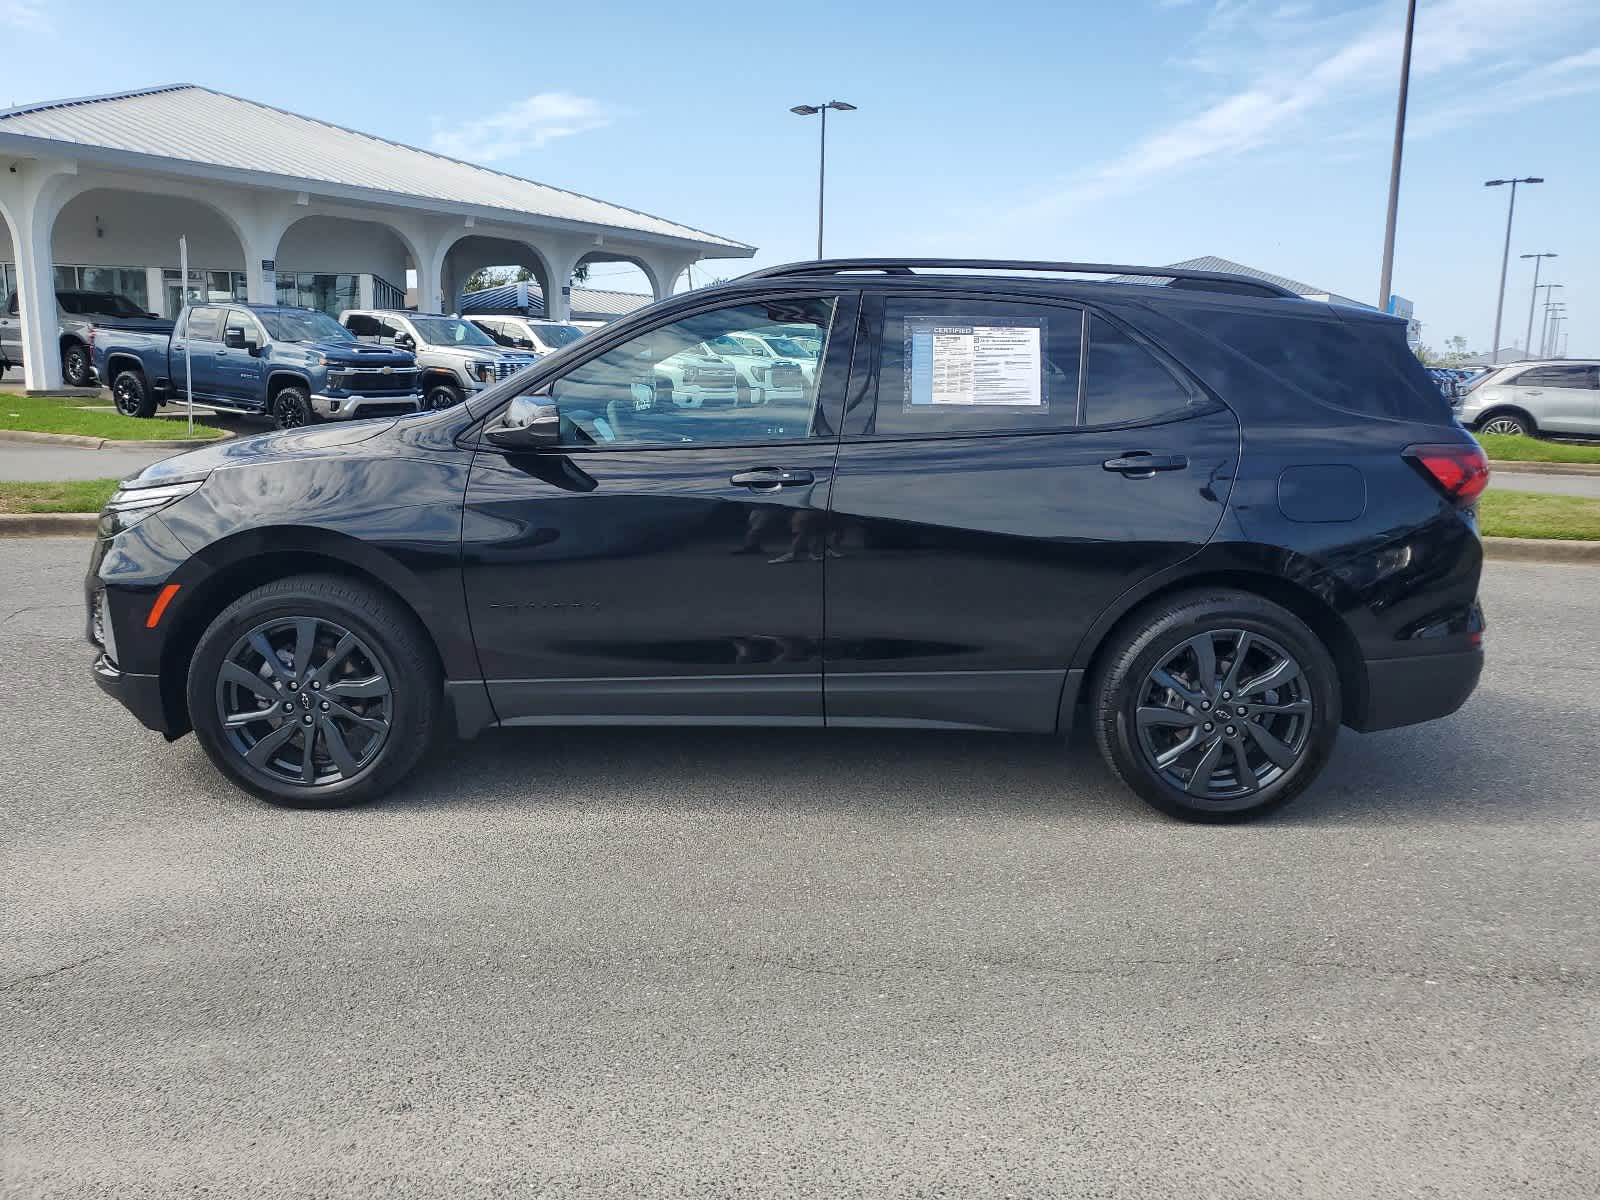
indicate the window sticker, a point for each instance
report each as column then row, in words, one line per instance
column 984, row 361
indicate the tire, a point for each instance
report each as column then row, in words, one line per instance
column 441, row 396
column 131, row 394
column 1285, row 735
column 75, row 365
column 380, row 737
column 291, row 409
column 1505, row 422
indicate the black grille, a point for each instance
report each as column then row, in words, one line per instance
column 397, row 409
column 369, row 383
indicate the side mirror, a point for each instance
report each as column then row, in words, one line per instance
column 530, row 423
column 404, row 341
column 233, row 338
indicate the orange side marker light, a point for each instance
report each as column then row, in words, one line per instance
column 160, row 606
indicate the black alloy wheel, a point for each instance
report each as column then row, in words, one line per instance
column 75, row 365
column 442, row 396
column 1216, row 705
column 291, row 409
column 304, row 701
column 131, row 394
column 1224, row 715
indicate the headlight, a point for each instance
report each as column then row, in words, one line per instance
column 132, row 503
column 484, row 371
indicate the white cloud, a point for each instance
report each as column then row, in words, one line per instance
column 25, row 16
column 1306, row 75
column 520, row 127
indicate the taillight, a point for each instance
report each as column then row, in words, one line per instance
column 1460, row 472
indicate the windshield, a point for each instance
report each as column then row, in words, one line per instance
column 448, row 331
column 303, row 325
column 724, row 344
column 790, row 347
column 557, row 336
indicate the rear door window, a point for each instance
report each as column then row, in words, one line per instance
column 205, row 324
column 1557, row 377
column 952, row 366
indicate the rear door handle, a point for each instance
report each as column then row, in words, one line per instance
column 1139, row 464
column 770, row 478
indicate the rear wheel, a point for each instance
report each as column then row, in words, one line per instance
column 314, row 692
column 131, row 394
column 1511, row 423
column 1217, row 706
column 75, row 365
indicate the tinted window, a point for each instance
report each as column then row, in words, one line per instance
column 1557, row 377
column 662, row 388
column 205, row 324
column 974, row 366
column 449, row 331
column 362, row 326
column 1126, row 382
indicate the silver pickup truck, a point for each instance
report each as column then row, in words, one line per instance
column 76, row 312
column 455, row 357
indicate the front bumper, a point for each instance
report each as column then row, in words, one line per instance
column 352, row 407
column 1421, row 687
column 139, row 694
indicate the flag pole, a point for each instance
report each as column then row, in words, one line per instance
column 188, row 360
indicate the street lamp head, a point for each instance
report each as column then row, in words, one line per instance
column 1540, row 256
column 805, row 110
column 841, row 106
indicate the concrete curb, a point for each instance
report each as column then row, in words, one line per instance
column 83, row 442
column 1541, row 468
column 48, row 524
column 1540, row 550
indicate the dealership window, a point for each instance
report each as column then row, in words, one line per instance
column 119, row 281
column 6, row 278
column 331, row 294
column 205, row 287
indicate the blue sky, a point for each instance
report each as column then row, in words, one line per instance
column 1146, row 131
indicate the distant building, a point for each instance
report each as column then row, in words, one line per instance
column 586, row 306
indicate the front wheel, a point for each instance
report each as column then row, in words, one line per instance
column 442, row 395
column 131, row 394
column 1217, row 706
column 75, row 365
column 314, row 692
column 291, row 409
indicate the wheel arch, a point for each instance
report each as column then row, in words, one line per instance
column 246, row 561
column 280, row 379
column 1504, row 410
column 1314, row 610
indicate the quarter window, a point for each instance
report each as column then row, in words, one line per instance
column 668, row 387
column 1127, row 382
column 952, row 366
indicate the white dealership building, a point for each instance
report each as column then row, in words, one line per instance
column 279, row 208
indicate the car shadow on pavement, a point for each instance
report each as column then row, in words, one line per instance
column 1452, row 771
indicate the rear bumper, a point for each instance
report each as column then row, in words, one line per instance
column 1424, row 687
column 139, row 694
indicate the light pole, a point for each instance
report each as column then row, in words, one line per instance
column 811, row 110
column 1394, row 162
column 1549, row 303
column 1527, row 339
column 1505, row 255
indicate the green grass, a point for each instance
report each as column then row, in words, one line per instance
column 69, row 496
column 1532, row 515
column 1504, row 447
column 43, row 414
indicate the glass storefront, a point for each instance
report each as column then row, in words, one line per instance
column 331, row 294
column 214, row 287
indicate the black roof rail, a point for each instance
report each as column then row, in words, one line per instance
column 909, row 266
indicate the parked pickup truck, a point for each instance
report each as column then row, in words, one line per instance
column 76, row 311
column 455, row 357
column 295, row 366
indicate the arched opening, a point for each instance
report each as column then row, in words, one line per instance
column 8, row 288
column 336, row 263
column 610, row 285
column 126, row 243
column 476, row 261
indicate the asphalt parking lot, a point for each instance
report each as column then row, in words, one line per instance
column 748, row 963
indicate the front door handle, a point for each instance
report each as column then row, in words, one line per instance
column 770, row 478
column 1138, row 464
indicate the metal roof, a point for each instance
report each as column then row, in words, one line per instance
column 583, row 303
column 185, row 123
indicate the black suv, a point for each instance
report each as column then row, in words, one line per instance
column 1210, row 518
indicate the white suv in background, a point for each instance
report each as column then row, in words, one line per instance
column 763, row 375
column 454, row 357
column 526, row 333
column 1562, row 396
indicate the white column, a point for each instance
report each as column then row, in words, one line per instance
column 560, row 260
column 32, row 199
column 155, row 285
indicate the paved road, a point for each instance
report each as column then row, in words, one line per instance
column 1556, row 485
column 716, row 964
column 26, row 461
